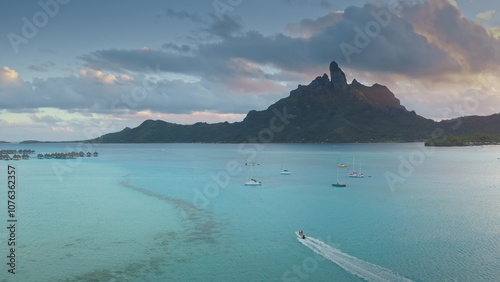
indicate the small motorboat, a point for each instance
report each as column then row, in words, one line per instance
column 300, row 234
column 285, row 172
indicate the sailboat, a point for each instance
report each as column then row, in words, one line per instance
column 252, row 181
column 355, row 174
column 339, row 184
column 284, row 171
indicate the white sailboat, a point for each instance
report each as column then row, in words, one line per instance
column 252, row 181
column 356, row 174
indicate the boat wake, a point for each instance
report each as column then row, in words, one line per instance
column 353, row 265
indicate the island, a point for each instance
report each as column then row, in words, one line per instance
column 476, row 139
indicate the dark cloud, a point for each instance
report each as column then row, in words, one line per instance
column 183, row 15
column 310, row 27
column 470, row 44
column 368, row 38
column 326, row 4
column 184, row 48
column 37, row 68
column 375, row 39
column 141, row 61
column 42, row 67
column 224, row 27
column 429, row 40
column 215, row 25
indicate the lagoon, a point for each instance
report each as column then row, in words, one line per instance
column 177, row 212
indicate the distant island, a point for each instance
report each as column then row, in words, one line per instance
column 476, row 139
column 36, row 141
column 328, row 110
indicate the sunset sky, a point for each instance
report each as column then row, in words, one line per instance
column 74, row 70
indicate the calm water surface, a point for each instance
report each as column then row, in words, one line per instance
column 177, row 212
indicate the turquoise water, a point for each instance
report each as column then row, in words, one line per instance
column 177, row 212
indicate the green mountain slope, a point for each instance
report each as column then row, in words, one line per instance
column 326, row 110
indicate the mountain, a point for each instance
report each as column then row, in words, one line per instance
column 327, row 110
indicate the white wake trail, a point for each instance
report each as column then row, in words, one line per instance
column 365, row 270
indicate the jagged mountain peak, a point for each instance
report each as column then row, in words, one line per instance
column 331, row 90
column 337, row 76
column 326, row 110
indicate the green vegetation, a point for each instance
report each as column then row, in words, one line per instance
column 325, row 111
column 476, row 139
column 317, row 113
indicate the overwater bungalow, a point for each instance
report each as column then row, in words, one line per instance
column 47, row 156
column 17, row 157
column 96, row 154
column 26, row 157
column 89, row 154
column 40, row 156
column 81, row 154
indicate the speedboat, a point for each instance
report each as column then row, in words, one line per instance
column 253, row 182
column 300, row 234
column 285, row 172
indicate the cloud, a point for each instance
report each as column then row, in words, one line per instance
column 325, row 4
column 488, row 15
column 232, row 70
column 430, row 42
column 99, row 76
column 8, row 75
column 223, row 27
column 45, row 119
column 94, row 91
column 42, row 67
column 412, row 43
column 496, row 32
column 307, row 28
column 468, row 44
column 37, row 68
column 183, row 15
column 453, row 3
column 184, row 48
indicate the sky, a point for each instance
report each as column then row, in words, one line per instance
column 75, row 70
